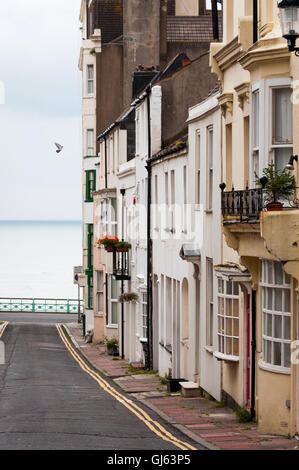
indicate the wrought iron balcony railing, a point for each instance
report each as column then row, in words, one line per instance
column 247, row 205
column 121, row 265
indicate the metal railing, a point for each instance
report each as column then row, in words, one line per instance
column 40, row 305
column 121, row 265
column 246, row 205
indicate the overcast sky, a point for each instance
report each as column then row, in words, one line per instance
column 39, row 52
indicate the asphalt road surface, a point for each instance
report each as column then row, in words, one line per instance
column 48, row 402
column 49, row 318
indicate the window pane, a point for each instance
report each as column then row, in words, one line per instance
column 255, row 103
column 283, row 116
column 270, row 273
column 229, row 288
column 236, row 288
column 269, row 325
column 277, row 354
column 287, row 355
column 278, row 273
column 269, row 298
column 287, row 301
column 114, row 317
column 277, row 326
column 278, row 300
column 282, row 157
column 229, row 311
column 287, row 327
column 113, row 289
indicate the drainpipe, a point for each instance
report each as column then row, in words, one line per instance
column 215, row 20
column 253, row 354
column 149, row 359
column 122, row 192
column 106, row 182
column 255, row 21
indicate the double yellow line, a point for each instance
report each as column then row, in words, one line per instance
column 3, row 328
column 153, row 425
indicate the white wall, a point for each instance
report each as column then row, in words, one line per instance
column 201, row 118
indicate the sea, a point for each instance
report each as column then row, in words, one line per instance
column 37, row 259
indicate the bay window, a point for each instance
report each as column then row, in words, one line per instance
column 276, row 308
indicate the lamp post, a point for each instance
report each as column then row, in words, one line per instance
column 289, row 18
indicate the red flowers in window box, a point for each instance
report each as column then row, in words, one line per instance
column 108, row 242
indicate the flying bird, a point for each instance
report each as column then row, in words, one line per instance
column 59, row 147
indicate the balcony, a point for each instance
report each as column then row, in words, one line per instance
column 247, row 205
column 251, row 228
column 121, row 265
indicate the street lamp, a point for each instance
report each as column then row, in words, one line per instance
column 289, row 18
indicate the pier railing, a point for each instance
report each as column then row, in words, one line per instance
column 40, row 305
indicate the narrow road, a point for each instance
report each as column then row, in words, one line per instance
column 48, row 402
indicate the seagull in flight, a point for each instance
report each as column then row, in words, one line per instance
column 59, row 147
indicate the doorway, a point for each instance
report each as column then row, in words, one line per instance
column 185, row 329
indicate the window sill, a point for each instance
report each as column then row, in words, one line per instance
column 209, row 211
column 210, row 349
column 112, row 327
column 225, row 357
column 167, row 347
column 99, row 315
column 143, row 340
column 274, row 369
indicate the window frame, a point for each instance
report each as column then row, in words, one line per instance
column 90, row 182
column 210, row 167
column 143, row 316
column 223, row 319
column 108, row 226
column 266, row 146
column 112, row 300
column 90, row 149
column 266, row 285
column 210, row 302
column 90, row 80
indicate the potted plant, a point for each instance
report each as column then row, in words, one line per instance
column 108, row 242
column 123, row 246
column 278, row 185
column 112, row 346
column 129, row 297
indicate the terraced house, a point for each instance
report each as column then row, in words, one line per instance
column 258, row 280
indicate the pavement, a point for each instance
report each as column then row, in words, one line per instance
column 209, row 423
column 51, row 399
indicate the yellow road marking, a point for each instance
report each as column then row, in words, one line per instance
column 153, row 425
column 3, row 328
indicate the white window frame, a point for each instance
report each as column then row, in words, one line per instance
column 100, row 291
column 198, row 167
column 266, row 147
column 267, row 286
column 210, row 167
column 90, row 81
column 143, row 316
column 223, row 318
column 210, row 317
column 90, row 143
column 108, row 217
column 111, row 301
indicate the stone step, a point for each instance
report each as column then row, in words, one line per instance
column 190, row 389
